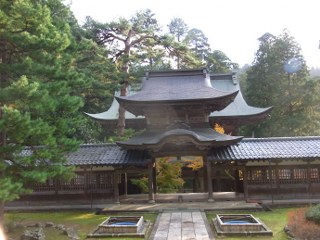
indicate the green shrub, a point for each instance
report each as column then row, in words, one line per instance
column 313, row 214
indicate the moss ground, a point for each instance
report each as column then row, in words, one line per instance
column 83, row 222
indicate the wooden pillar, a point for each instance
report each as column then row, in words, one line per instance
column 209, row 180
column 116, row 197
column 309, row 178
column 56, row 188
column 277, row 179
column 236, row 180
column 125, row 184
column 271, row 182
column 150, row 181
column 245, row 183
column 98, row 180
column 85, row 187
column 218, row 179
column 154, row 178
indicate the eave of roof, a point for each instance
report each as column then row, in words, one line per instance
column 254, row 149
column 286, row 148
column 214, row 103
column 113, row 113
column 203, row 137
column 106, row 155
column 239, row 107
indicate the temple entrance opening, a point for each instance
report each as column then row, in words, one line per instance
column 183, row 179
column 181, row 174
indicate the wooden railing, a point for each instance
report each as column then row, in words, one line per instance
column 81, row 182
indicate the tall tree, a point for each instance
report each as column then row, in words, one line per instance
column 122, row 38
column 190, row 49
column 197, row 43
column 279, row 78
column 100, row 76
column 39, row 110
column 182, row 45
column 218, row 62
column 178, row 28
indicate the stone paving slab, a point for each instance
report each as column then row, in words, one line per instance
column 181, row 225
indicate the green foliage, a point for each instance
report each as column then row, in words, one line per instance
column 218, row 62
column 293, row 95
column 38, row 107
column 124, row 37
column 197, row 42
column 168, row 175
column 128, row 133
column 178, row 28
column 142, row 183
column 313, row 214
column 190, row 49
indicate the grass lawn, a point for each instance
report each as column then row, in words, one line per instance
column 86, row 222
column 83, row 222
column 276, row 220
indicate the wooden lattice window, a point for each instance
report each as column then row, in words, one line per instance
column 106, row 180
column 300, row 173
column 42, row 187
column 284, row 173
column 255, row 176
column 314, row 174
column 76, row 183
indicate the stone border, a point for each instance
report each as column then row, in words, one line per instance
column 142, row 234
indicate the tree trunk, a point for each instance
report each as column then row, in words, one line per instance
column 123, row 92
column 122, row 119
column 4, row 60
column 2, row 143
column 1, row 218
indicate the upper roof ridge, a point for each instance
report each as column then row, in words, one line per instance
column 174, row 73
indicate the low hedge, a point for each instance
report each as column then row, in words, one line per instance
column 313, row 214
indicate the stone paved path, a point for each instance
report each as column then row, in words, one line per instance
column 181, row 226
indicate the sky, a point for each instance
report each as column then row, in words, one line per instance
column 232, row 26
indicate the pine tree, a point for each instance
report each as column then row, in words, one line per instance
column 122, row 38
column 39, row 110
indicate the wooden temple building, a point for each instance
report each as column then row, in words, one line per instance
column 178, row 110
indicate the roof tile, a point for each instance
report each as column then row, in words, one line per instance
column 269, row 148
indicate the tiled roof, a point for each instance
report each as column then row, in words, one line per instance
column 176, row 87
column 112, row 114
column 106, row 155
column 201, row 135
column 288, row 148
column 269, row 148
column 239, row 107
column 224, row 82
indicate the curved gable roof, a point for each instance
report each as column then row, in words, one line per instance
column 239, row 107
column 177, row 87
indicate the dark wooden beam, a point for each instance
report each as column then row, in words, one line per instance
column 209, row 180
column 150, row 181
column 116, row 187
